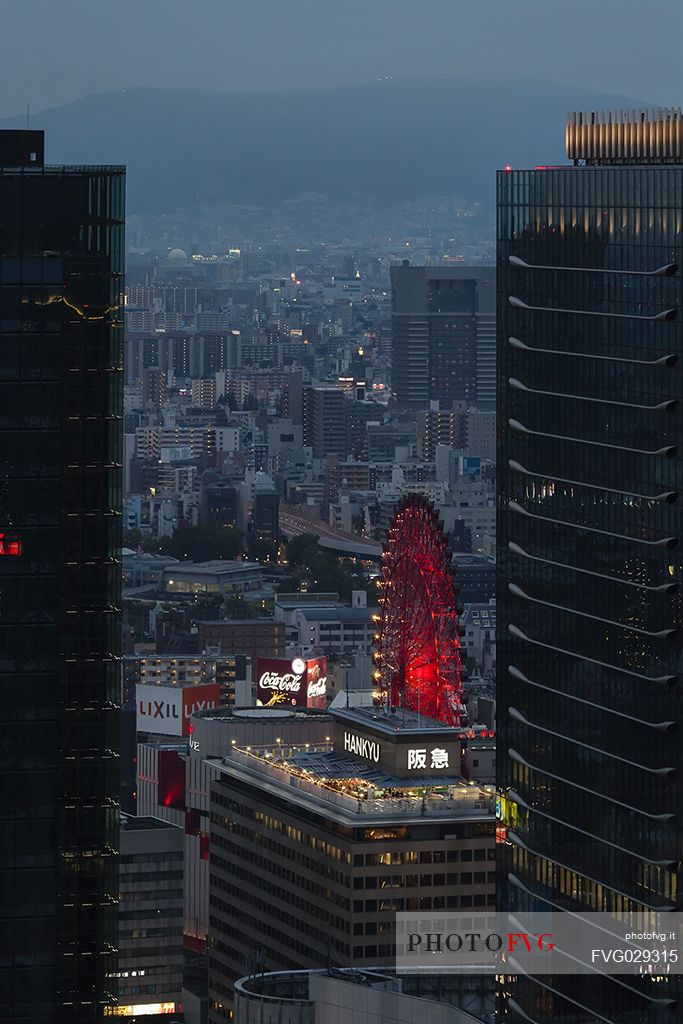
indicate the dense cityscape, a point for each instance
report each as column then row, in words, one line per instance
column 339, row 590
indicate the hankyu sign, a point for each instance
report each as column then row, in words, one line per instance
column 422, row 757
column 404, row 753
column 369, row 750
column 166, row 710
column 297, row 683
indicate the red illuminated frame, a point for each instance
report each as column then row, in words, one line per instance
column 417, row 645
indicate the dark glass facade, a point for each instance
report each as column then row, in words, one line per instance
column 61, row 279
column 589, row 558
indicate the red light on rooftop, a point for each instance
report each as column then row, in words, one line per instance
column 508, row 167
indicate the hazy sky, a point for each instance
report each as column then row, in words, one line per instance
column 53, row 51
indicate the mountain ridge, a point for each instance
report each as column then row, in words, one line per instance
column 390, row 141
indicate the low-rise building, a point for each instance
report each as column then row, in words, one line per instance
column 333, row 996
column 336, row 629
column 256, row 638
column 218, row 577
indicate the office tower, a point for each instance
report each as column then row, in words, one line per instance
column 61, row 281
column 443, row 335
column 590, row 423
column 315, row 847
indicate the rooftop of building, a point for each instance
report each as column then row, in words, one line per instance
column 481, row 744
column 216, row 567
column 239, row 622
column 177, row 747
column 316, row 778
column 229, row 714
column 346, row 774
column 133, row 823
column 148, row 557
column 338, row 613
column 479, row 613
column 291, row 988
column 470, row 560
column 391, row 721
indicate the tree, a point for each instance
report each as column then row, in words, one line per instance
column 235, row 607
column 298, row 545
column 287, row 585
column 202, row 543
column 132, row 539
column 262, row 550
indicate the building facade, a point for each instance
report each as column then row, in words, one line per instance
column 443, row 335
column 150, row 969
column 314, row 849
column 325, row 421
column 174, row 784
column 590, row 474
column 255, row 638
column 361, row 997
column 61, row 288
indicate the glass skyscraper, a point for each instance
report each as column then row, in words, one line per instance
column 61, row 282
column 590, row 386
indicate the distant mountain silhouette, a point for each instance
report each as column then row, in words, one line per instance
column 390, row 140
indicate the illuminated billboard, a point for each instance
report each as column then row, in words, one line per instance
column 166, row 710
column 281, row 683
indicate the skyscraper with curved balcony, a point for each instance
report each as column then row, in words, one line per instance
column 590, row 524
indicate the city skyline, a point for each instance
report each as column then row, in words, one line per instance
column 340, row 490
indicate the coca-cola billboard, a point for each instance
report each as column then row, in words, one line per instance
column 316, row 683
column 282, row 683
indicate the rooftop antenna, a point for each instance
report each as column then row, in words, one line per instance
column 28, row 114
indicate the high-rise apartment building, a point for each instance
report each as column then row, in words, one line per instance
column 443, row 335
column 325, row 420
column 61, row 283
column 589, row 566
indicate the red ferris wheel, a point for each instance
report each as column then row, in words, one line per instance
column 417, row 655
